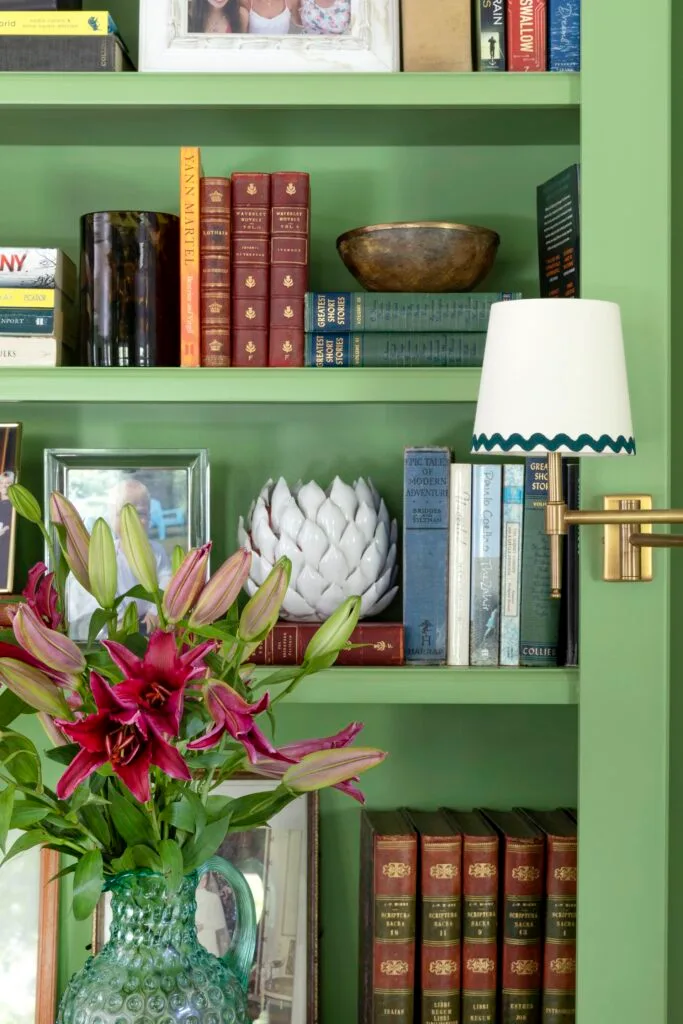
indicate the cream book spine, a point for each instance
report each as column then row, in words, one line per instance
column 460, row 534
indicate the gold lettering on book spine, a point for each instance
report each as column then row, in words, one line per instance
column 250, row 281
column 565, row 874
column 291, row 189
column 394, row 968
column 287, row 347
column 523, row 968
column 215, row 196
column 443, row 871
column 396, row 869
column 481, row 965
column 480, row 870
column 442, row 968
column 250, row 348
column 250, row 313
column 289, row 312
column 563, row 965
column 526, row 873
column 251, row 189
column 288, row 281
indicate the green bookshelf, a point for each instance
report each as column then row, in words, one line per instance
column 468, row 147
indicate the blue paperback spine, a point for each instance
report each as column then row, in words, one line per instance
column 511, row 571
column 426, row 501
column 485, row 573
column 564, row 35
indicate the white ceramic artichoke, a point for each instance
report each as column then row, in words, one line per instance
column 340, row 542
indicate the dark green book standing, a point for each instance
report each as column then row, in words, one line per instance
column 540, row 614
column 388, row 890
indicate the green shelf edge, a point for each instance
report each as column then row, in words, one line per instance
column 233, row 385
column 22, row 90
column 438, row 685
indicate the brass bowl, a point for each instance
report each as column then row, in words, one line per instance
column 424, row 256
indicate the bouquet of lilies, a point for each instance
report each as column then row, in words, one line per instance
column 148, row 726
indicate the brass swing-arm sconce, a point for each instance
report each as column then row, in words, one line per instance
column 554, row 383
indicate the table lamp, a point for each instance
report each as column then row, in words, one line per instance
column 554, row 383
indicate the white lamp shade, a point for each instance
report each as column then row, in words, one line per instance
column 554, row 380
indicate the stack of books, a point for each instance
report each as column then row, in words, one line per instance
column 476, row 564
column 49, row 35
column 468, row 916
column 38, row 307
column 527, row 35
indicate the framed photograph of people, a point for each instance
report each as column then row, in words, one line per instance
column 168, row 488
column 280, row 864
column 28, row 936
column 269, row 35
column 10, row 444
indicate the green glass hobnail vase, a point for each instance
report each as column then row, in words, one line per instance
column 153, row 969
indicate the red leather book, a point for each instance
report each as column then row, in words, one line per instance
column 479, row 917
column 214, row 270
column 388, row 889
column 287, row 642
column 439, row 920
column 250, row 266
column 522, row 878
column 289, row 254
column 526, row 35
column 559, row 953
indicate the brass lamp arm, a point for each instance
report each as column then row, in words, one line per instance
column 580, row 517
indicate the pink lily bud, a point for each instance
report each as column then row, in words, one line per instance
column 261, row 611
column 33, row 687
column 222, row 590
column 63, row 513
column 330, row 767
column 138, row 550
column 24, row 504
column 53, row 649
column 186, row 584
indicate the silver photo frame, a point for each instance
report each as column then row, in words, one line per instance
column 170, row 489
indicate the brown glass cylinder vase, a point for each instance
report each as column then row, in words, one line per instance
column 130, row 313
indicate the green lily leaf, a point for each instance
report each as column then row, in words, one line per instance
column 126, row 862
column 21, row 759
column 131, row 823
column 95, row 821
column 26, row 814
column 180, row 814
column 36, row 837
column 172, row 863
column 68, row 870
column 11, row 707
column 198, row 850
column 98, row 620
column 88, row 882
column 64, row 754
column 144, row 857
column 6, row 805
column 256, row 809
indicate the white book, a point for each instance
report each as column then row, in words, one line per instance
column 30, row 351
column 37, row 268
column 459, row 540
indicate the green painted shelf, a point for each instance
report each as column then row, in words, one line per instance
column 394, row 384
column 300, row 91
column 408, row 685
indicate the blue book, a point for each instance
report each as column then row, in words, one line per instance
column 511, row 565
column 426, row 501
column 419, row 348
column 564, row 35
column 485, row 572
column 343, row 312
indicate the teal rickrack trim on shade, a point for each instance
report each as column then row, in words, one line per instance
column 551, row 444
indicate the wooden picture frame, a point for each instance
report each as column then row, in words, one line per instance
column 48, row 934
column 371, row 43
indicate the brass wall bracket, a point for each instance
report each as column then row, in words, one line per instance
column 625, row 562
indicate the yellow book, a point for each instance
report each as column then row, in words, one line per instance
column 56, row 23
column 190, row 326
column 30, row 298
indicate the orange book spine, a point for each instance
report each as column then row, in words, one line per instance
column 190, row 320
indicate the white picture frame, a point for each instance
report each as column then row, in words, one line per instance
column 371, row 44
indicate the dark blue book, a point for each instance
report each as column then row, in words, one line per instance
column 426, row 499
column 564, row 35
column 540, row 614
column 341, row 312
column 367, row 348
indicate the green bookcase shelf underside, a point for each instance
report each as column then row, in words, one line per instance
column 416, row 685
column 357, row 384
column 205, row 91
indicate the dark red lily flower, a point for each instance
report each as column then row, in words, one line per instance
column 155, row 684
column 122, row 736
column 41, row 595
column 294, row 752
column 234, row 715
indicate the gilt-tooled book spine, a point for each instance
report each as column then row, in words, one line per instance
column 367, row 348
column 564, row 35
column 426, row 500
column 190, row 244
column 479, row 917
column 387, row 919
column 489, row 37
column 485, row 570
column 568, row 641
column 286, row 644
column 339, row 312
column 559, row 954
column 214, row 271
column 511, row 563
column 527, row 35
column 251, row 203
column 439, row 917
column 37, row 268
column 62, row 53
column 559, row 235
column 522, row 880
column 459, row 562
column 539, row 617
column 289, row 257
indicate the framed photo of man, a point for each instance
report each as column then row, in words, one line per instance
column 269, row 35
column 169, row 490
column 10, row 443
